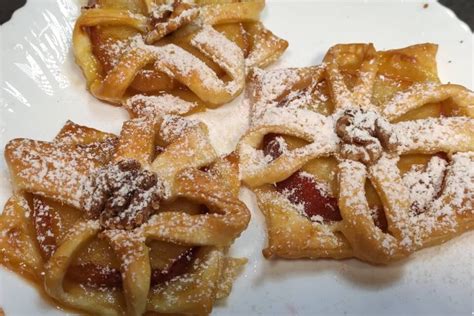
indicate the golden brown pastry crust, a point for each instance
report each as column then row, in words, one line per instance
column 171, row 56
column 370, row 128
column 169, row 260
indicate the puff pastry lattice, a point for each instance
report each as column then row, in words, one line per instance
column 171, row 56
column 124, row 225
column 367, row 155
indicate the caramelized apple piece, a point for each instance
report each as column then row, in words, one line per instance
column 179, row 266
column 96, row 265
column 95, row 276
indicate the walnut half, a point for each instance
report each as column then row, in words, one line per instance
column 365, row 135
column 123, row 195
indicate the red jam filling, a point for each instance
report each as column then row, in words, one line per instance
column 301, row 189
column 304, row 190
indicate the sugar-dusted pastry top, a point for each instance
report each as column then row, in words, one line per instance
column 171, row 56
column 366, row 155
column 126, row 224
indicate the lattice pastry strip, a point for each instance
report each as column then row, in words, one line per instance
column 284, row 218
column 326, row 144
column 177, row 52
column 134, row 279
column 40, row 167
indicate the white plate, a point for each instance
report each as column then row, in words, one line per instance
column 41, row 87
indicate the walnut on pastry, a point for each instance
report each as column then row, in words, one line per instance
column 124, row 224
column 367, row 155
column 171, row 56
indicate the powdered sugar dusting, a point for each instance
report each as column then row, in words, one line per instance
column 403, row 101
column 430, row 134
column 183, row 66
column 418, row 205
column 174, row 126
column 143, row 105
column 425, row 185
column 58, row 171
column 224, row 52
